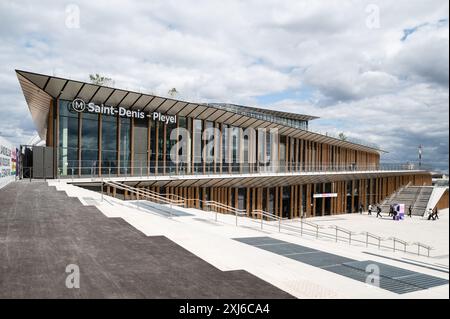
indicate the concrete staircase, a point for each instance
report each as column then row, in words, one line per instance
column 420, row 205
column 415, row 196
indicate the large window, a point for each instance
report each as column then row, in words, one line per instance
column 183, row 156
column 170, row 165
column 282, row 155
column 109, row 145
column 125, row 146
column 140, row 139
column 225, row 149
column 161, row 148
column 235, row 147
column 197, row 146
column 153, row 146
column 89, row 144
column 209, row 152
column 68, row 140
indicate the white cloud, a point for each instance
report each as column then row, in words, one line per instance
column 363, row 79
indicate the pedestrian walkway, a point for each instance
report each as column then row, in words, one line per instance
column 43, row 230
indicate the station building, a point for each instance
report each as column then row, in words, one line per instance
column 244, row 157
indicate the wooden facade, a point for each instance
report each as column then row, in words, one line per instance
column 295, row 200
column 443, row 201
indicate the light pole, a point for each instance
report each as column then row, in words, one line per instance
column 420, row 155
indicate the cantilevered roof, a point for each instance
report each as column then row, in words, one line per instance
column 251, row 109
column 40, row 89
column 246, row 180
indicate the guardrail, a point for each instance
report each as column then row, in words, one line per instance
column 98, row 170
column 315, row 229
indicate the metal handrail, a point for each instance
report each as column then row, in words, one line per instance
column 397, row 240
column 263, row 213
column 240, row 212
column 416, row 199
column 94, row 169
column 346, row 231
column 181, row 201
column 370, row 235
column 428, row 248
column 221, row 205
column 145, row 195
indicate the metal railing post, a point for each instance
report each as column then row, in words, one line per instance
column 367, row 239
column 394, row 244
column 261, row 220
column 102, row 189
column 279, row 225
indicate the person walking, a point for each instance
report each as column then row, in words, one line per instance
column 370, row 209
column 391, row 210
column 430, row 214
column 361, row 208
column 379, row 211
column 435, row 213
column 410, row 211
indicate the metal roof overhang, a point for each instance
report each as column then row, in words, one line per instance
column 247, row 180
column 39, row 89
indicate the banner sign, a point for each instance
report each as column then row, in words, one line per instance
column 8, row 162
column 325, row 195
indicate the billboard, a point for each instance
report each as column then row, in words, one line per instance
column 8, row 162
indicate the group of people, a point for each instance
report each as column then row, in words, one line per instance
column 433, row 214
column 371, row 208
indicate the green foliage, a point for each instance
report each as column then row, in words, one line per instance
column 342, row 136
column 172, row 92
column 99, row 79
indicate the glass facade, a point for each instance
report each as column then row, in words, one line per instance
column 109, row 145
column 140, row 136
column 68, row 140
column 92, row 144
column 125, row 146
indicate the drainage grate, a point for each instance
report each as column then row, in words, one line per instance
column 286, row 249
column 423, row 281
column 389, row 284
column 394, row 279
column 385, row 270
column 257, row 241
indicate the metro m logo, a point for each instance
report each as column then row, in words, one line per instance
column 78, row 105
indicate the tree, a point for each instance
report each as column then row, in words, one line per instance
column 100, row 80
column 342, row 136
column 172, row 92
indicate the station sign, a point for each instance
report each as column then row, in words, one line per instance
column 80, row 106
column 325, row 195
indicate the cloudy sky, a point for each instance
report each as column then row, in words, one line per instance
column 375, row 70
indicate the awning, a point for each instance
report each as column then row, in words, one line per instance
column 39, row 89
column 245, row 180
